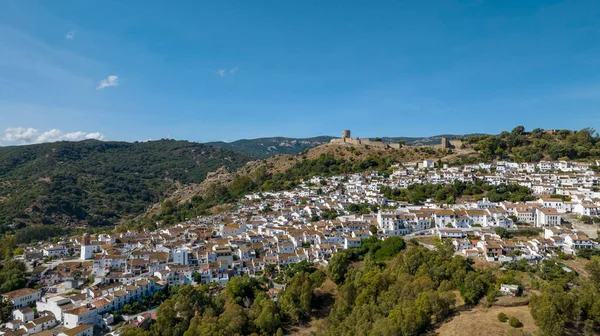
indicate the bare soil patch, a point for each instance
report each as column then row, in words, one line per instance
column 484, row 322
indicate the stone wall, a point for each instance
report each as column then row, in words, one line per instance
column 364, row 142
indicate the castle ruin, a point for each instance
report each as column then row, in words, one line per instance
column 347, row 139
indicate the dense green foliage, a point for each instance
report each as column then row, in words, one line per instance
column 98, row 183
column 6, row 308
column 449, row 193
column 567, row 304
column 362, row 209
column 242, row 308
column 8, row 245
column 405, row 297
column 537, row 145
column 587, row 253
column 263, row 148
column 12, row 276
column 381, row 250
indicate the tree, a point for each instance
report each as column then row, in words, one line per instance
column 233, row 319
column 587, row 253
column 297, row 300
column 6, row 308
column 502, row 232
column 593, row 269
column 166, row 321
column 518, row 130
column 502, row 317
column 268, row 319
column 514, row 322
column 267, row 208
column 12, row 276
column 338, row 266
column 474, row 287
column 553, row 310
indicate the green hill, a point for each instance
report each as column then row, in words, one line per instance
column 263, row 148
column 536, row 145
column 98, row 183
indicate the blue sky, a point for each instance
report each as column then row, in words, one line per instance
column 225, row 70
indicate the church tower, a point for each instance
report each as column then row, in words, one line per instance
column 87, row 250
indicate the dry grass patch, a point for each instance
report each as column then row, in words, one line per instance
column 484, row 322
column 578, row 265
column 426, row 239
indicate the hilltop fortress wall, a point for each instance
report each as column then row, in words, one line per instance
column 364, row 142
column 346, row 139
column 448, row 144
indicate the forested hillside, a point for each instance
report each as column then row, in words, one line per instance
column 537, row 145
column 98, row 183
column 263, row 148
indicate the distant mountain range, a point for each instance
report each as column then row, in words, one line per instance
column 262, row 148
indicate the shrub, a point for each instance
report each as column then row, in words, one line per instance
column 502, row 317
column 514, row 322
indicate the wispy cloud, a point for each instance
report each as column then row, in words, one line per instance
column 111, row 80
column 22, row 135
column 225, row 72
column 70, row 35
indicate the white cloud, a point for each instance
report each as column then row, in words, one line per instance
column 95, row 135
column 21, row 135
column 224, row 72
column 70, row 35
column 111, row 80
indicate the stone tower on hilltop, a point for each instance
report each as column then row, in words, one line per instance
column 445, row 143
